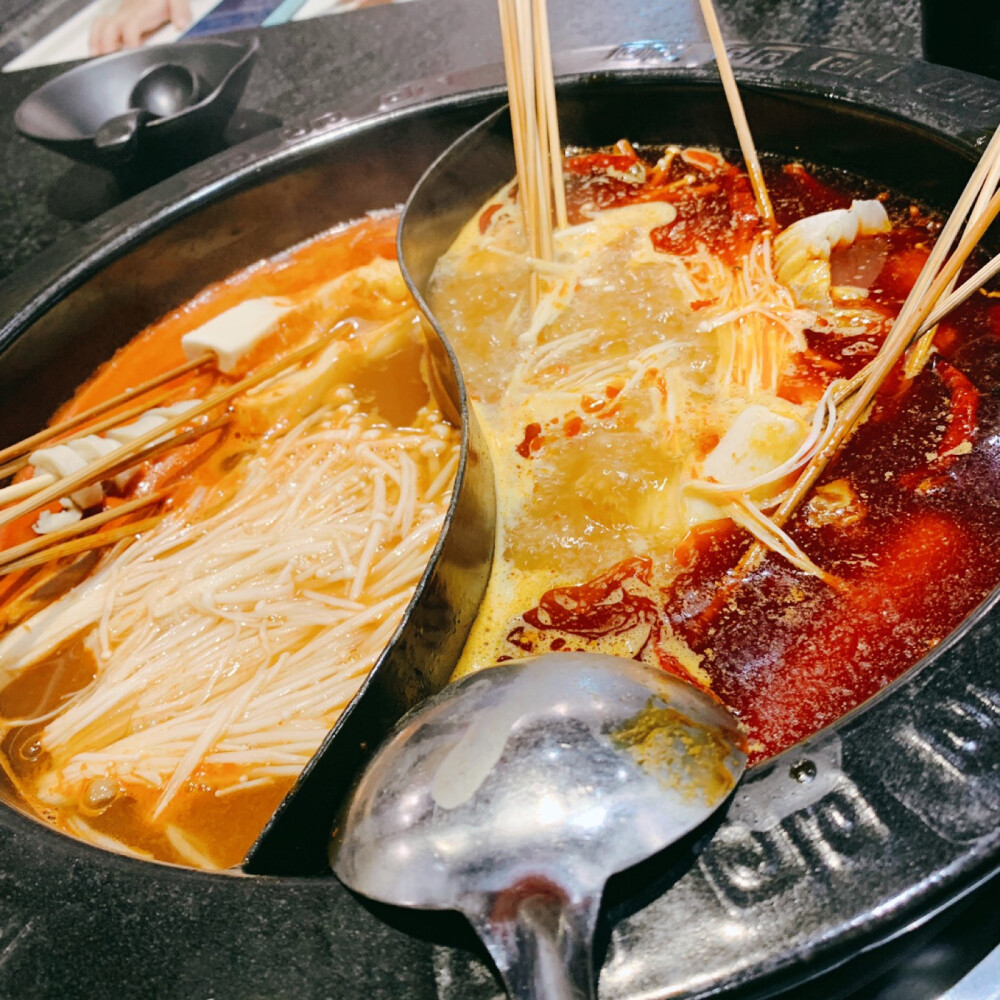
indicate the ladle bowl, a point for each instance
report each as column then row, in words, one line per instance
column 165, row 90
column 514, row 794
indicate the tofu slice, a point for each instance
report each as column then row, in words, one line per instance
column 233, row 334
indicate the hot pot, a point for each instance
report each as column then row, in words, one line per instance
column 837, row 845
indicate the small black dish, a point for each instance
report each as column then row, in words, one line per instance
column 70, row 114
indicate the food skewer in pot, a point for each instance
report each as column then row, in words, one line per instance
column 980, row 201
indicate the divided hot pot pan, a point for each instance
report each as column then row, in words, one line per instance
column 837, row 845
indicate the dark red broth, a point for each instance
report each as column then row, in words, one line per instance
column 788, row 653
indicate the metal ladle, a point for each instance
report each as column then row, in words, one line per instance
column 514, row 794
column 162, row 91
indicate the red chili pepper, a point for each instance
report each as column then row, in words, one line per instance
column 487, row 217
column 963, row 410
column 963, row 421
column 746, row 219
column 703, row 160
column 604, row 606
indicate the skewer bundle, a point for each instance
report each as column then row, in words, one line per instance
column 524, row 27
column 205, row 416
column 929, row 301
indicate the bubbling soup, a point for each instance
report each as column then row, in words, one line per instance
column 676, row 372
column 162, row 695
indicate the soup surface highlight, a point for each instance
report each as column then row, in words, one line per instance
column 164, row 703
column 676, row 373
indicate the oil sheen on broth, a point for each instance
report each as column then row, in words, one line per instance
column 657, row 402
column 165, row 703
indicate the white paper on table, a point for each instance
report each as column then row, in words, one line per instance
column 71, row 40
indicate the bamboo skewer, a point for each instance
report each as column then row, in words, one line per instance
column 101, row 425
column 12, row 468
column 548, row 113
column 123, row 458
column 747, row 147
column 933, row 282
column 540, row 229
column 150, row 451
column 83, row 543
column 518, row 122
column 543, row 160
column 48, row 543
column 26, row 487
column 142, row 448
column 960, row 294
column 508, row 18
column 535, row 126
column 31, row 443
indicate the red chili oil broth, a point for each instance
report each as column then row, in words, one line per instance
column 786, row 652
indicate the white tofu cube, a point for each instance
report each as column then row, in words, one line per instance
column 233, row 334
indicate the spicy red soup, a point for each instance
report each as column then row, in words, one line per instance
column 658, row 399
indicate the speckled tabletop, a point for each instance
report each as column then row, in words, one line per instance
column 334, row 62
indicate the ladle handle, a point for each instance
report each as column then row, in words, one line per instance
column 544, row 949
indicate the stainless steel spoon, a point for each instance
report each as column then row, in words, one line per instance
column 514, row 794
